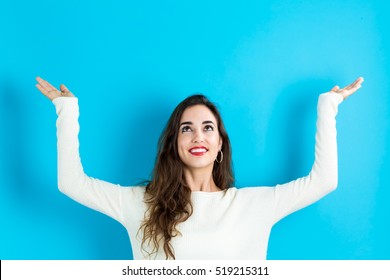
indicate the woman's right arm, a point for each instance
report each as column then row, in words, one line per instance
column 72, row 181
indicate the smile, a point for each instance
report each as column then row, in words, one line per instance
column 198, row 151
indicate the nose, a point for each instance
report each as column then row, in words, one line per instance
column 198, row 136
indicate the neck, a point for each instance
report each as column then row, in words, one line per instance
column 200, row 180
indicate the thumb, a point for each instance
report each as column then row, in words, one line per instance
column 335, row 88
column 64, row 89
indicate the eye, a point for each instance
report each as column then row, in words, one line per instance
column 209, row 128
column 186, row 129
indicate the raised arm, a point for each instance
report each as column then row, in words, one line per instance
column 323, row 177
column 72, row 181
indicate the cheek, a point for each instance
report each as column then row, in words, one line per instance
column 219, row 143
column 181, row 140
column 216, row 140
column 182, row 143
column 213, row 144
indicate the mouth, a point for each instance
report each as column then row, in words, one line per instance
column 198, row 151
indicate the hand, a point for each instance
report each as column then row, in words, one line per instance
column 51, row 92
column 348, row 90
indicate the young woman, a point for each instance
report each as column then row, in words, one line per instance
column 190, row 208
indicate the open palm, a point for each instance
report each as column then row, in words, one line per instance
column 50, row 91
column 348, row 90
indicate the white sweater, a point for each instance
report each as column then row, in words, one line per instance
column 230, row 224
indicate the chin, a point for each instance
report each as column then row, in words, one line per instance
column 199, row 165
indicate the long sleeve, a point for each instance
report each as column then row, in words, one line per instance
column 72, row 181
column 323, row 177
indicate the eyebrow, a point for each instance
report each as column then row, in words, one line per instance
column 205, row 122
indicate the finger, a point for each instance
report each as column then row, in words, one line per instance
column 49, row 94
column 353, row 87
column 356, row 83
column 42, row 89
column 64, row 89
column 45, row 84
column 359, row 81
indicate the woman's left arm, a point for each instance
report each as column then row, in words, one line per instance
column 323, row 177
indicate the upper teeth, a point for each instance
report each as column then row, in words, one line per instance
column 198, row 150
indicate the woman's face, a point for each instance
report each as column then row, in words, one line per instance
column 198, row 141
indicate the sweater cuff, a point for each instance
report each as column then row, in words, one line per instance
column 65, row 104
column 328, row 104
column 336, row 96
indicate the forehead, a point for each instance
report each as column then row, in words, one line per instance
column 198, row 113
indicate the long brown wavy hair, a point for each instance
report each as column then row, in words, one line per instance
column 167, row 194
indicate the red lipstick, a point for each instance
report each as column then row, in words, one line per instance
column 198, row 150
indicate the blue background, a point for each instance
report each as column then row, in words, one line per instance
column 130, row 63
